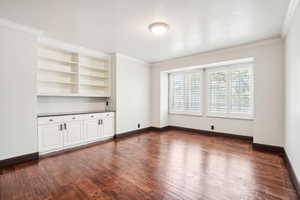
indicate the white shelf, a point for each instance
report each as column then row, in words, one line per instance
column 58, row 60
column 91, row 95
column 58, row 82
column 92, row 85
column 57, row 71
column 94, row 68
column 94, row 76
column 97, row 59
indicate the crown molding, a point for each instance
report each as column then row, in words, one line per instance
column 19, row 27
column 289, row 17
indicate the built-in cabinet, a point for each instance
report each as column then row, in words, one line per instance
column 62, row 132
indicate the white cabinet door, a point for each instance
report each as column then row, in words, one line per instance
column 50, row 137
column 73, row 133
column 91, row 128
column 109, row 127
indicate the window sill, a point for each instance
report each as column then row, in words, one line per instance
column 250, row 118
column 186, row 114
column 231, row 117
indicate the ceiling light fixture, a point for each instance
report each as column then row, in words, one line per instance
column 159, row 28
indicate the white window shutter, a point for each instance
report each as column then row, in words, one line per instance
column 195, row 92
column 178, row 92
column 230, row 91
column 217, row 89
column 241, row 90
column 185, row 92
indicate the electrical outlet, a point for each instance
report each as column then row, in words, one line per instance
column 139, row 125
column 212, row 127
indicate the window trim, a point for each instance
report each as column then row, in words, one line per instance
column 191, row 113
column 229, row 115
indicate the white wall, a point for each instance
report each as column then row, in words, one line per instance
column 267, row 127
column 18, row 131
column 292, row 88
column 164, row 99
column 69, row 104
column 132, row 93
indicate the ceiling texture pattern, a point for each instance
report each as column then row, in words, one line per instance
column 122, row 25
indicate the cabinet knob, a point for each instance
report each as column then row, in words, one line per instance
column 51, row 120
column 73, row 117
column 92, row 116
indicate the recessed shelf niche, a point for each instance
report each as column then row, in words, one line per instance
column 71, row 71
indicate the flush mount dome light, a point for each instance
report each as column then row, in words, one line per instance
column 159, row 28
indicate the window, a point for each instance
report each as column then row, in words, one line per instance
column 230, row 91
column 227, row 88
column 185, row 92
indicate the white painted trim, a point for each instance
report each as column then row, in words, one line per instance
column 19, row 27
column 289, row 17
column 222, row 50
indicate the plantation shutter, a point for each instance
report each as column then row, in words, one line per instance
column 230, row 91
column 185, row 92
column 241, row 90
column 217, row 91
column 179, row 92
column 195, row 92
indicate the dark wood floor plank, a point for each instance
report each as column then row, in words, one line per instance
column 170, row 165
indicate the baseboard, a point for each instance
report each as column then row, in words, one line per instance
column 152, row 128
column 292, row 173
column 204, row 132
column 213, row 133
column 129, row 133
column 268, row 148
column 190, row 130
column 228, row 135
column 19, row 159
column 137, row 131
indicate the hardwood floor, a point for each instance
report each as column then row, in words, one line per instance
column 169, row 165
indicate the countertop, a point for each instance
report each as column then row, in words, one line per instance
column 72, row 113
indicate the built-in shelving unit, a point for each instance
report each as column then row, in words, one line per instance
column 94, row 74
column 69, row 71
